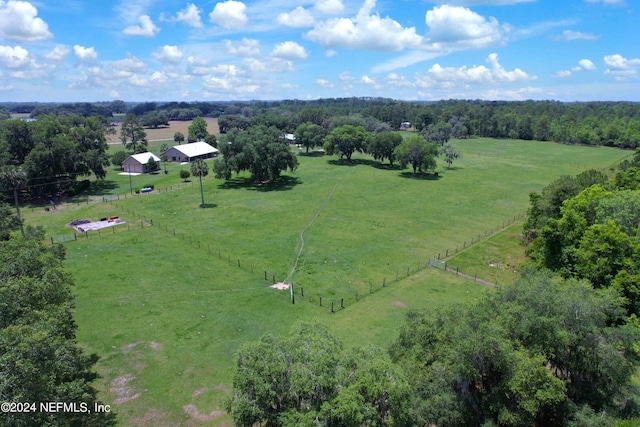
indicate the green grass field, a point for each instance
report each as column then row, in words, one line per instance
column 167, row 312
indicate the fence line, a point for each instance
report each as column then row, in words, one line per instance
column 336, row 303
column 332, row 304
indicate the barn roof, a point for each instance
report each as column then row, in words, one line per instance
column 143, row 158
column 195, row 149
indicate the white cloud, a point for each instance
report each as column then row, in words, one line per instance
column 245, row 47
column 621, row 68
column 452, row 77
column 587, row 65
column 146, row 28
column 19, row 22
column 368, row 80
column 299, row 17
column 130, row 64
column 190, row 16
column 324, row 83
column 229, row 14
column 569, row 35
column 169, row 54
column 85, row 54
column 330, row 53
column 617, row 61
column 198, row 66
column 290, row 50
column 365, row 31
column 396, row 80
column 513, row 95
column 459, row 27
column 330, row 6
column 14, row 57
column 59, row 53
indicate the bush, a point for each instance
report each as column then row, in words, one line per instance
column 184, row 174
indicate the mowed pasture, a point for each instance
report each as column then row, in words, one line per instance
column 166, row 313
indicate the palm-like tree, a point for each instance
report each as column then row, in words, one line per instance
column 14, row 178
column 199, row 168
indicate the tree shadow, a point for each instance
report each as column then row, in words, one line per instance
column 312, row 154
column 387, row 166
column 353, row 162
column 101, row 187
column 283, row 183
column 208, row 205
column 420, row 176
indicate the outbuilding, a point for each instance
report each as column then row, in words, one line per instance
column 137, row 163
column 190, row 152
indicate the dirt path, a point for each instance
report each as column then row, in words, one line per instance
column 295, row 264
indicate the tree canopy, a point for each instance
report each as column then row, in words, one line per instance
column 132, row 134
column 418, row 153
column 345, row 140
column 197, row 130
column 383, row 145
column 39, row 358
column 259, row 149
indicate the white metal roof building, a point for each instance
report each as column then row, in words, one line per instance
column 190, row 152
column 137, row 163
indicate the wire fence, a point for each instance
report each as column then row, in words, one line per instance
column 339, row 299
column 342, row 298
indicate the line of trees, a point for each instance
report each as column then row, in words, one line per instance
column 40, row 360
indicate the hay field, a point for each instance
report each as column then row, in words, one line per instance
column 166, row 133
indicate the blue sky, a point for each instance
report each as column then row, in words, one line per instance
column 169, row 50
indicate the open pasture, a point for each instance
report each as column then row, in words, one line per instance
column 166, row 316
column 165, row 133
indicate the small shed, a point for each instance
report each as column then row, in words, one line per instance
column 190, row 152
column 137, row 163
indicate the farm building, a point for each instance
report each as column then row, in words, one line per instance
column 190, row 152
column 137, row 163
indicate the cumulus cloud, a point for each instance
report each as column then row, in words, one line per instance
column 330, row 6
column 569, row 35
column 477, row 74
column 583, row 65
column 130, row 64
column 245, row 47
column 229, row 14
column 459, row 27
column 368, row 80
column 85, row 54
column 146, row 28
column 324, row 83
column 59, row 53
column 299, row 17
column 190, row 16
column 14, row 57
column 169, row 54
column 621, row 68
column 365, row 31
column 290, row 50
column 19, row 22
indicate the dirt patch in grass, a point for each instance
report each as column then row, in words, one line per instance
column 120, row 387
column 167, row 132
column 199, row 391
column 194, row 413
column 154, row 345
column 399, row 304
column 152, row 418
column 223, row 388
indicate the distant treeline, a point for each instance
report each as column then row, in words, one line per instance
column 615, row 124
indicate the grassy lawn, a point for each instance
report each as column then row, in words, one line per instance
column 167, row 312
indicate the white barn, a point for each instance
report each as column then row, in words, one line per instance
column 137, row 163
column 190, row 152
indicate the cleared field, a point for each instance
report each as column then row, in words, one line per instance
column 166, row 313
column 166, row 133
